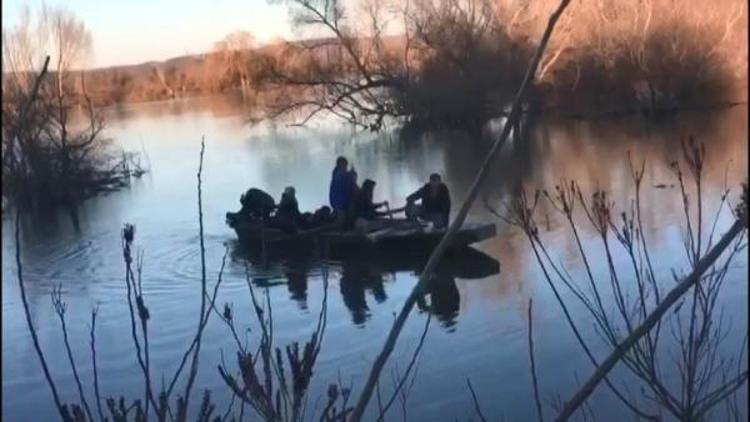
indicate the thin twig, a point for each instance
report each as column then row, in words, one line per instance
column 60, row 308
column 94, row 312
column 533, row 368
column 476, row 402
column 402, row 381
column 196, row 352
column 654, row 317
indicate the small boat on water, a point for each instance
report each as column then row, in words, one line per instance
column 383, row 234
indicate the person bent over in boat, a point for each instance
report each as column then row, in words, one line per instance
column 435, row 204
column 341, row 191
column 287, row 216
column 364, row 210
column 256, row 205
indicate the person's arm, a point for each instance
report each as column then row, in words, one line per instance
column 418, row 194
column 380, row 213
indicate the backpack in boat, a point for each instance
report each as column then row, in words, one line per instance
column 257, row 204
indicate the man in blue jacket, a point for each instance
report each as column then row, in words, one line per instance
column 341, row 192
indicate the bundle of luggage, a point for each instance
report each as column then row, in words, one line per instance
column 259, row 206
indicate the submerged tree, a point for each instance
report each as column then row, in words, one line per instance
column 54, row 152
column 453, row 63
column 236, row 56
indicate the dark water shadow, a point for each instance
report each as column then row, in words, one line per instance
column 366, row 278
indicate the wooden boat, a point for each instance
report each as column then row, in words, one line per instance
column 382, row 234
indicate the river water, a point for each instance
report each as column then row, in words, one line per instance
column 480, row 327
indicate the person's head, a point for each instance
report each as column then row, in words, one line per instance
column 289, row 191
column 368, row 186
column 435, row 180
column 342, row 162
column 354, row 177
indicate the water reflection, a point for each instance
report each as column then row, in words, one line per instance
column 364, row 278
column 442, row 299
column 356, row 279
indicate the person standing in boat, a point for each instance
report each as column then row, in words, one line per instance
column 436, row 203
column 364, row 209
column 341, row 191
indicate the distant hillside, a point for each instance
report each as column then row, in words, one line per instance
column 180, row 76
column 191, row 75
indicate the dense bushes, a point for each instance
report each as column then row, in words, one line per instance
column 457, row 63
column 53, row 152
column 656, row 56
column 469, row 67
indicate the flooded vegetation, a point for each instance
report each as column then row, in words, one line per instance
column 433, row 226
column 481, row 322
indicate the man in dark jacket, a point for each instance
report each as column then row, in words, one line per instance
column 287, row 216
column 436, row 202
column 364, row 209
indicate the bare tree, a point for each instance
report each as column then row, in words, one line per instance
column 452, row 63
column 48, row 158
column 235, row 52
column 342, row 72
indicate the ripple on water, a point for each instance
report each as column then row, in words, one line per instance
column 179, row 258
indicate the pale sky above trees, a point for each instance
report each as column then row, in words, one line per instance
column 136, row 31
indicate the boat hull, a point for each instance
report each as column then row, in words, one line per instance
column 384, row 235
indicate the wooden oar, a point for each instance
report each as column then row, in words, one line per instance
column 390, row 212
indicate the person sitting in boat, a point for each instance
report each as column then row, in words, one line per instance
column 320, row 217
column 364, row 209
column 341, row 191
column 436, row 203
column 256, row 205
column 287, row 216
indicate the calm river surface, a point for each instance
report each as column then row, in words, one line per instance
column 480, row 327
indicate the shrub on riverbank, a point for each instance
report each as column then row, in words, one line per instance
column 655, row 56
column 50, row 157
column 459, row 62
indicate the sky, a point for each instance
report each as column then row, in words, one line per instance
column 137, row 31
